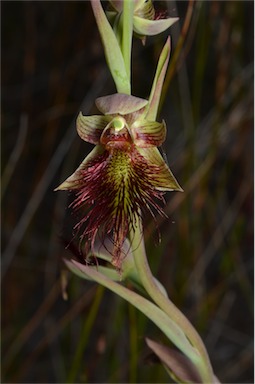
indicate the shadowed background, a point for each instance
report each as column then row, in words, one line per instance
column 53, row 66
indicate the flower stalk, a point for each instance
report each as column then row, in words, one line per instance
column 112, row 49
column 128, row 7
column 163, row 302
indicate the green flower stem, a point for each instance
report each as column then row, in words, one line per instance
column 127, row 34
column 166, row 305
column 112, row 49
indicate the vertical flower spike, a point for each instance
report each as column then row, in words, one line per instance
column 123, row 176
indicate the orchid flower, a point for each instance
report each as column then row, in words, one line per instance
column 124, row 175
column 123, row 178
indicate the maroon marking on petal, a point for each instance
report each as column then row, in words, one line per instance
column 160, row 15
column 118, row 145
column 111, row 134
column 114, row 188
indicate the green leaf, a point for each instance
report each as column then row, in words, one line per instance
column 155, row 314
column 104, row 251
column 112, row 50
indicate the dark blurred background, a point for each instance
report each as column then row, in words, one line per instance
column 52, row 67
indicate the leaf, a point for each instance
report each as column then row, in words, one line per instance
column 112, row 49
column 104, row 251
column 155, row 314
column 182, row 368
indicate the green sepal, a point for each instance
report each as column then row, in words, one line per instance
column 120, row 103
column 74, row 181
column 151, row 109
column 148, row 133
column 164, row 180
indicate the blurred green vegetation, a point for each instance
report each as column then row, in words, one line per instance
column 52, row 67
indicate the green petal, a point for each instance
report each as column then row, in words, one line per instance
column 152, row 27
column 90, row 128
column 119, row 103
column 73, row 181
column 148, row 133
column 164, row 180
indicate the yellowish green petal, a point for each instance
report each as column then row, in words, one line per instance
column 164, row 180
column 90, row 128
column 148, row 133
column 74, row 181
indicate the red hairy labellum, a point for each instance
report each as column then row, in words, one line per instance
column 115, row 187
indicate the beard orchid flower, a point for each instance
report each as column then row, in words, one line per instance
column 124, row 175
